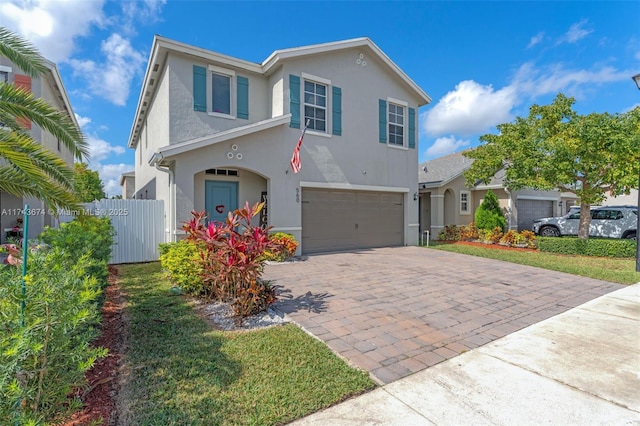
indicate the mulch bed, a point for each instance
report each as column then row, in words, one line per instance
column 103, row 381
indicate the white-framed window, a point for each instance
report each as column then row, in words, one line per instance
column 465, row 202
column 315, row 105
column 222, row 82
column 396, row 124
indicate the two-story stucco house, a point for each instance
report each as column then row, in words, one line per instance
column 211, row 132
column 50, row 88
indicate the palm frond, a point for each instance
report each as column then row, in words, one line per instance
column 18, row 103
column 55, row 197
column 33, row 159
column 21, row 52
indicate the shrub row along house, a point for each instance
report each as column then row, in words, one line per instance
column 50, row 88
column 211, row 132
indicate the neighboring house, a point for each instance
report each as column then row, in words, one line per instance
column 128, row 184
column 211, row 132
column 445, row 198
column 50, row 88
column 622, row 200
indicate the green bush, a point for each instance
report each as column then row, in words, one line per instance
column 600, row 247
column 181, row 260
column 83, row 234
column 489, row 215
column 42, row 362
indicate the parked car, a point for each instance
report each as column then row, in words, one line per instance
column 606, row 221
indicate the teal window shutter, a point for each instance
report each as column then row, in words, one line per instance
column 337, row 111
column 382, row 117
column 294, row 100
column 412, row 128
column 243, row 97
column 199, row 88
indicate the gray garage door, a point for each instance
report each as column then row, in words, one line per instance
column 529, row 210
column 344, row 220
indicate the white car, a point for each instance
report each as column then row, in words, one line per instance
column 606, row 221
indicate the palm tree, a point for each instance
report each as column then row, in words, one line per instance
column 27, row 168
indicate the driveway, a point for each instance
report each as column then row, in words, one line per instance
column 396, row 311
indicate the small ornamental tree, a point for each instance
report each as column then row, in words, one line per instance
column 232, row 259
column 489, row 215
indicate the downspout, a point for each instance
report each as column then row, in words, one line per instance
column 156, row 159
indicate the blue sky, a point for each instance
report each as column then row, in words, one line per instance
column 482, row 63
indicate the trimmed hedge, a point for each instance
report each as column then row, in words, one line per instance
column 600, row 247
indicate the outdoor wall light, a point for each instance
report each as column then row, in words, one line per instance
column 415, row 196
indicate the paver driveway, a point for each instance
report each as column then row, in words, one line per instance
column 395, row 311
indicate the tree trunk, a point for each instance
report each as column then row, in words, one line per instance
column 585, row 221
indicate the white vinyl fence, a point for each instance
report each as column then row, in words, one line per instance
column 139, row 226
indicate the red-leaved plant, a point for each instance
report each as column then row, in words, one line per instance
column 232, row 259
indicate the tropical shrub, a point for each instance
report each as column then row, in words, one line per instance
column 181, row 260
column 449, row 233
column 514, row 238
column 285, row 247
column 489, row 214
column 469, row 232
column 232, row 258
column 83, row 234
column 45, row 352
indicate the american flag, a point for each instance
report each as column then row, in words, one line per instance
column 295, row 159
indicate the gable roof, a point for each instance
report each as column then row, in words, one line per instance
column 162, row 46
column 443, row 170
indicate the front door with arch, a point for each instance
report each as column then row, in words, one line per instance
column 220, row 198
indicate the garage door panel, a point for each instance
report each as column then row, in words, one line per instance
column 343, row 220
column 530, row 210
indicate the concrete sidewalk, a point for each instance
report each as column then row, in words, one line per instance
column 581, row 367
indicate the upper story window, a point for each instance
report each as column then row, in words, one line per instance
column 221, row 93
column 315, row 105
column 4, row 77
column 396, row 124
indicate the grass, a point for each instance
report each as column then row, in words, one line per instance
column 183, row 372
column 608, row 269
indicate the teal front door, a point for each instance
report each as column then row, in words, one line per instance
column 220, row 198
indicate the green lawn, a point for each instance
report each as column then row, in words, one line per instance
column 602, row 268
column 179, row 371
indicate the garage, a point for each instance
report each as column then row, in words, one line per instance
column 529, row 210
column 335, row 220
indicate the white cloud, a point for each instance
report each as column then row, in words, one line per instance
column 446, row 145
column 145, row 11
column 52, row 26
column 555, row 78
column 110, row 176
column 469, row 109
column 536, row 39
column 82, row 121
column 112, row 78
column 100, row 149
column 575, row 33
